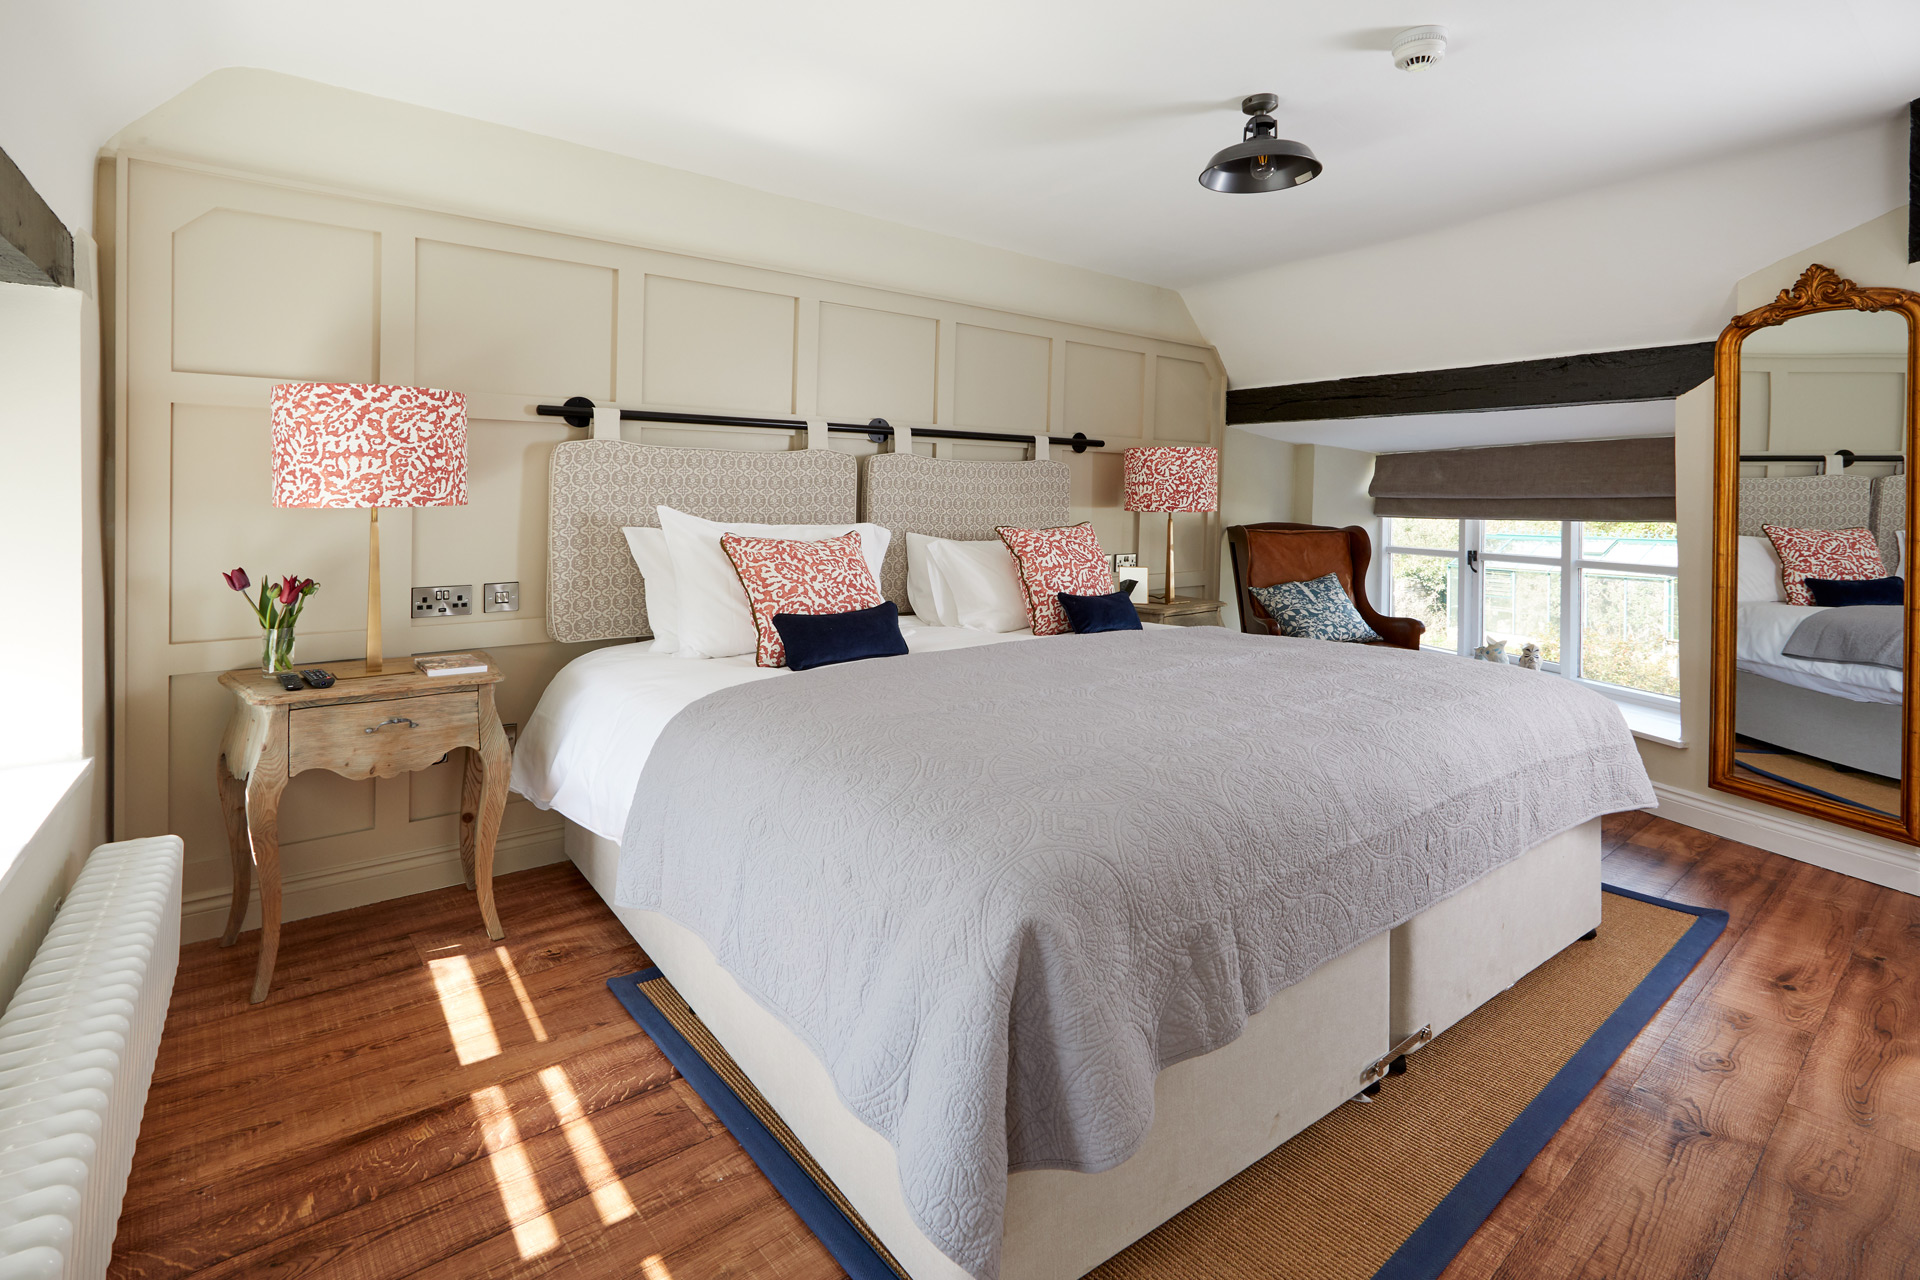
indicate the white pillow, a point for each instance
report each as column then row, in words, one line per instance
column 1759, row 573
column 714, row 618
column 648, row 547
column 980, row 583
column 920, row 596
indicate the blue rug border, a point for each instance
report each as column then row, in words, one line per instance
column 823, row 1217
column 1437, row 1241
column 1422, row 1256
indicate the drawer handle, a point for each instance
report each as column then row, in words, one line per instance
column 392, row 720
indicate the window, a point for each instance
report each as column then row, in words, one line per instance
column 1598, row 596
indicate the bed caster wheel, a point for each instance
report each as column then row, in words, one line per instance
column 1589, row 935
column 1371, row 1091
column 1398, row 1067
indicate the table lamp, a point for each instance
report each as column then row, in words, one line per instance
column 1171, row 478
column 359, row 445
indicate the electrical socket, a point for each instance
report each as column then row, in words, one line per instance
column 1125, row 560
column 500, row 597
column 443, row 602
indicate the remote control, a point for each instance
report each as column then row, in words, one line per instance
column 288, row 681
column 316, row 678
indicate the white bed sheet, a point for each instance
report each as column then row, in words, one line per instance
column 1765, row 627
column 582, row 750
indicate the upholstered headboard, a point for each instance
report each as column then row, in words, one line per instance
column 1828, row 502
column 965, row 500
column 597, row 487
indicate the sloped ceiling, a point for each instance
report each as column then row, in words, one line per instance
column 1069, row 131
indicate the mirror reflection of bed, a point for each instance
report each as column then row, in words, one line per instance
column 1821, row 560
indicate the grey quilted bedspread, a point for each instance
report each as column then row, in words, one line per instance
column 997, row 889
column 1874, row 634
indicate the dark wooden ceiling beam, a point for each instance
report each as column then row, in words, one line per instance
column 31, row 232
column 1602, row 377
column 1913, row 181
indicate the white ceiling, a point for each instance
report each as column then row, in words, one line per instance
column 1468, row 430
column 1070, row 130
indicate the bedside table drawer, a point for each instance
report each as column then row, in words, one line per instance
column 392, row 736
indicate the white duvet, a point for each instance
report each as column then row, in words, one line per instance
column 582, row 750
column 1765, row 627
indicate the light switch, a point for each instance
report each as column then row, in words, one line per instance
column 500, row 597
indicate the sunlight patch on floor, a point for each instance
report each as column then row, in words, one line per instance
column 610, row 1198
column 653, row 1268
column 533, row 1229
column 465, row 1010
column 527, row 1010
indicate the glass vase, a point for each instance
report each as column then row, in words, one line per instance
column 276, row 649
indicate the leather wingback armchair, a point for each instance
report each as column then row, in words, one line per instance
column 1264, row 554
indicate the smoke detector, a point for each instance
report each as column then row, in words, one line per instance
column 1418, row 48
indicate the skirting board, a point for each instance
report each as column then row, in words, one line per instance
column 355, row 884
column 1802, row 839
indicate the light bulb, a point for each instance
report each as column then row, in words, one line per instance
column 1261, row 169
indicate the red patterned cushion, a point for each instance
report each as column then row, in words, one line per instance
column 1066, row 559
column 1845, row 554
column 785, row 576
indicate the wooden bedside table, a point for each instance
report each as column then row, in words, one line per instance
column 1182, row 612
column 375, row 727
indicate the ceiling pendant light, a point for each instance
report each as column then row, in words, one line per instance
column 1262, row 161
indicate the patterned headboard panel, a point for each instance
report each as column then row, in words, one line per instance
column 1828, row 502
column 597, row 487
column 1889, row 518
column 964, row 500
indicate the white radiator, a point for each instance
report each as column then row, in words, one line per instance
column 77, row 1044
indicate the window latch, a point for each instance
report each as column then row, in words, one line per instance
column 1473, row 560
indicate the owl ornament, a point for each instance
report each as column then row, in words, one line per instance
column 1530, row 657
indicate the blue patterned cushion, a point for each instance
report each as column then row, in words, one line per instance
column 1317, row 610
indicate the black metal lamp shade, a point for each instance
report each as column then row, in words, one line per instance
column 1262, row 161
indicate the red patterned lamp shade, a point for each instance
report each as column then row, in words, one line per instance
column 1172, row 477
column 356, row 445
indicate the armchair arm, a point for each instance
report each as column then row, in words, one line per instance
column 1404, row 633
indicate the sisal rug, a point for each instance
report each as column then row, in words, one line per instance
column 1867, row 791
column 1389, row 1189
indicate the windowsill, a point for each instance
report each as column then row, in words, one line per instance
column 29, row 794
column 1652, row 724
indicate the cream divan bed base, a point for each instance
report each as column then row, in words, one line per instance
column 1297, row 1060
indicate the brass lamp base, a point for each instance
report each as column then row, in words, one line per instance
column 360, row 668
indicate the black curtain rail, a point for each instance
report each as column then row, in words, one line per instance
column 1847, row 457
column 578, row 412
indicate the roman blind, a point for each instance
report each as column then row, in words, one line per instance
column 1629, row 479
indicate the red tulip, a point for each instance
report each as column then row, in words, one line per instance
column 289, row 590
column 307, row 585
column 238, row 579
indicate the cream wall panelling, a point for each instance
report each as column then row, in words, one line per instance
column 1806, row 404
column 227, row 283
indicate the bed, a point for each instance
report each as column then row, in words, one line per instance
column 1213, row 1104
column 1848, row 713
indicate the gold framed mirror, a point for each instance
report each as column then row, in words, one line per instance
column 1814, row 633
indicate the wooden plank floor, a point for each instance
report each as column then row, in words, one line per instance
column 415, row 1100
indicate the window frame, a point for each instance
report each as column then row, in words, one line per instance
column 1471, row 558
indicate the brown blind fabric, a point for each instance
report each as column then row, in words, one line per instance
column 1565, row 480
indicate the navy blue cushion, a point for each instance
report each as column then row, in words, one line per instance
column 1838, row 592
column 1087, row 614
column 822, row 639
